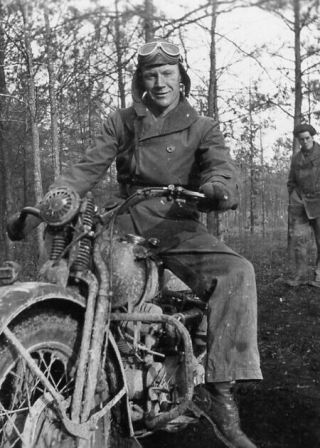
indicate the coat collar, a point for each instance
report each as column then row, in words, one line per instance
column 313, row 155
column 177, row 119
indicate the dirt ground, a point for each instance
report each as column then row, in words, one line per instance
column 282, row 411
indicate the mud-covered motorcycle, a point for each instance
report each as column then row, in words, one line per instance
column 97, row 352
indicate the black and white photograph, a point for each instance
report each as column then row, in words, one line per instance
column 159, row 224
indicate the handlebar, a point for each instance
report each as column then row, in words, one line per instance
column 29, row 211
column 189, row 194
column 172, row 192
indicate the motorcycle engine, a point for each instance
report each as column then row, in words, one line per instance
column 151, row 376
column 153, row 368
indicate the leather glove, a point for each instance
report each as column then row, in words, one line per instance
column 15, row 227
column 219, row 196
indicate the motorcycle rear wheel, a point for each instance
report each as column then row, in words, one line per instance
column 27, row 415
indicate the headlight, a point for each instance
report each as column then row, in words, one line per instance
column 59, row 206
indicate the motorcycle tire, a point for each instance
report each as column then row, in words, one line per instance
column 27, row 415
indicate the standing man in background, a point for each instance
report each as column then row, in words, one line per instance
column 304, row 203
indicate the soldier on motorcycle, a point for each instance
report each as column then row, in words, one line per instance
column 161, row 140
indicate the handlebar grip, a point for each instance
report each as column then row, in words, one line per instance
column 21, row 223
column 34, row 211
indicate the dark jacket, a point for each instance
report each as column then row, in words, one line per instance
column 182, row 149
column 304, row 178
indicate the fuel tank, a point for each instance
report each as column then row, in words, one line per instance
column 135, row 276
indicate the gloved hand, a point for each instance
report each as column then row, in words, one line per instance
column 219, row 196
column 15, row 227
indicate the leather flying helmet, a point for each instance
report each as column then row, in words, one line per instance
column 158, row 52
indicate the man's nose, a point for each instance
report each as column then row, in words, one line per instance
column 159, row 81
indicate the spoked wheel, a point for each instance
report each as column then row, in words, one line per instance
column 28, row 416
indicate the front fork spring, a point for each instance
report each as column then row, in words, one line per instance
column 59, row 242
column 82, row 261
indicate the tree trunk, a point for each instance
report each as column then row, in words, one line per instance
column 53, row 96
column 148, row 21
column 297, row 71
column 297, row 109
column 119, row 51
column 213, row 218
column 263, row 199
column 33, row 121
column 251, row 168
column 6, row 199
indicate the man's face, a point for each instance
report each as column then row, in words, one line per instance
column 162, row 83
column 305, row 140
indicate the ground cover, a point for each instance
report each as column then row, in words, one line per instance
column 283, row 411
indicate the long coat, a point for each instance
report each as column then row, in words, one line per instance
column 187, row 150
column 304, row 179
column 182, row 149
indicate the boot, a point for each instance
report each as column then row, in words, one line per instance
column 224, row 414
column 301, row 275
column 297, row 280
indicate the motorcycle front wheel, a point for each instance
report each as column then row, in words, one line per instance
column 28, row 417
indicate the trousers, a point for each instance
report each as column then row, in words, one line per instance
column 216, row 274
column 227, row 282
column 300, row 224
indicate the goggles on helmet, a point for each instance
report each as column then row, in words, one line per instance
column 152, row 47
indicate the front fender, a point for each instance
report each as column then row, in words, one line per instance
column 18, row 297
column 21, row 295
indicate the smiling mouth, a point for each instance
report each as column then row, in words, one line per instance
column 160, row 94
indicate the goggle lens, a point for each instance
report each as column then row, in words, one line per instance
column 150, row 47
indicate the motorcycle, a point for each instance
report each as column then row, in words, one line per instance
column 98, row 351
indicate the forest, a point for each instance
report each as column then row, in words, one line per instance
column 64, row 66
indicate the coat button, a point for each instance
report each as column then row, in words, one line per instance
column 170, row 148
